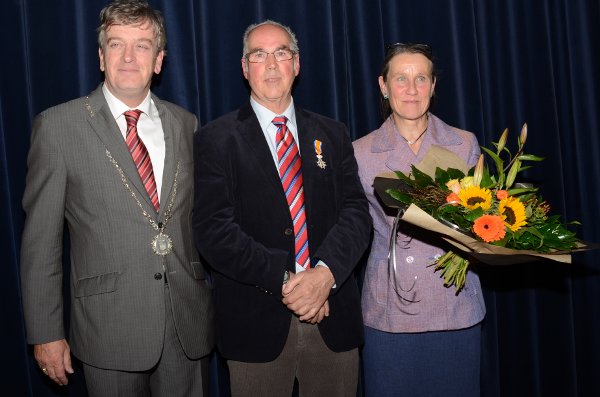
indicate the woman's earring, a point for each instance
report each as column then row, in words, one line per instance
column 385, row 96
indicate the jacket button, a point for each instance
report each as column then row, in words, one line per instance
column 288, row 232
column 157, row 276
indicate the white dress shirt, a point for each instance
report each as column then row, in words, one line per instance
column 265, row 119
column 149, row 128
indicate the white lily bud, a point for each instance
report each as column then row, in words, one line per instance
column 478, row 174
column 502, row 141
column 523, row 136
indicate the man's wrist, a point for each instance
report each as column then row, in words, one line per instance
column 323, row 264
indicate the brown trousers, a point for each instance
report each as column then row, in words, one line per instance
column 320, row 371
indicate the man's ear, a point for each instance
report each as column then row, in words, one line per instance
column 159, row 61
column 245, row 67
column 101, row 58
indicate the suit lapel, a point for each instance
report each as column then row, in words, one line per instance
column 172, row 131
column 251, row 133
column 307, row 134
column 104, row 125
column 387, row 140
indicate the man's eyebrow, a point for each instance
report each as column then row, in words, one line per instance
column 282, row 47
column 136, row 40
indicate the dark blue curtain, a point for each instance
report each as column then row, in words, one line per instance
column 502, row 63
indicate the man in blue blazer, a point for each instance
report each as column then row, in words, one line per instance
column 287, row 303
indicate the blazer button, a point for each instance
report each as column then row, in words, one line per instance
column 157, row 276
column 288, row 232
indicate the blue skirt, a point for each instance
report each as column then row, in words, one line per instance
column 440, row 363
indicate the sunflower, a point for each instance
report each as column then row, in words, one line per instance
column 489, row 228
column 475, row 196
column 513, row 212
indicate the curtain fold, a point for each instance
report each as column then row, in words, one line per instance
column 502, row 64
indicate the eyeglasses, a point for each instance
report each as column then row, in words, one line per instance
column 260, row 56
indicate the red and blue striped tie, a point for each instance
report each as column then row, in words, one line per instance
column 290, row 172
column 140, row 156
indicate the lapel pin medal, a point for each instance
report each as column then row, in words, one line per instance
column 319, row 153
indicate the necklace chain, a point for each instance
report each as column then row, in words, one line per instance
column 160, row 226
column 416, row 139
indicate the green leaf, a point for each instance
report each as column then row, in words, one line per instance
column 530, row 157
column 404, row 177
column 512, row 173
column 454, row 173
column 474, row 214
column 487, row 180
column 421, row 178
column 525, row 167
column 521, row 190
column 441, row 177
column 402, row 197
column 497, row 161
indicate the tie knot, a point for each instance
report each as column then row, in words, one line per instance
column 132, row 116
column 280, row 120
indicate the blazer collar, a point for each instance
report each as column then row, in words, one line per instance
column 307, row 134
column 250, row 131
column 388, row 139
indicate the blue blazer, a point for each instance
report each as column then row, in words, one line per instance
column 244, row 231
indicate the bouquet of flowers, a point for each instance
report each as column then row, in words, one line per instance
column 491, row 209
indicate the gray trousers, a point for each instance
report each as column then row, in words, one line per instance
column 320, row 371
column 174, row 375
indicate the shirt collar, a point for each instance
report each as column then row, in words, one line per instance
column 117, row 107
column 265, row 116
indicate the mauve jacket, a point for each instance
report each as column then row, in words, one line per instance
column 433, row 307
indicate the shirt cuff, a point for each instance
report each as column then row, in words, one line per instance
column 321, row 263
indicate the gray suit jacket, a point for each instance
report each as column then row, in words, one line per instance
column 117, row 298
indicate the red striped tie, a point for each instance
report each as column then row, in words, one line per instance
column 140, row 156
column 290, row 172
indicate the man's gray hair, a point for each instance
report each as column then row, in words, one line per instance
column 249, row 29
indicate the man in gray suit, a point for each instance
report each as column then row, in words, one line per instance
column 117, row 167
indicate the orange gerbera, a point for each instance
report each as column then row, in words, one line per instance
column 489, row 228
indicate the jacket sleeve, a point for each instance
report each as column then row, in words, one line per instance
column 42, row 242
